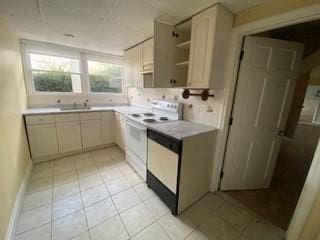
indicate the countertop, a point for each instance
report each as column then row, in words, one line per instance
column 181, row 129
column 125, row 109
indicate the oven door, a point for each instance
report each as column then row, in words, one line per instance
column 137, row 140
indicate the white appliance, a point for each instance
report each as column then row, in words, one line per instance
column 136, row 135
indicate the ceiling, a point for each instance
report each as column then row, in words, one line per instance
column 101, row 25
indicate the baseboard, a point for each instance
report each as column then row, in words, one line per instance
column 11, row 229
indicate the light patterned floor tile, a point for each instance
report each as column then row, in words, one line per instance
column 90, row 181
column 65, row 190
column 111, row 174
column 143, row 191
column 137, row 218
column 37, row 199
column 118, row 185
column 154, row 232
column 100, row 212
column 237, row 217
column 66, row 206
column 65, row 177
column 134, row 179
column 82, row 236
column 40, row 233
column 175, row 227
column 112, row 229
column 125, row 168
column 40, row 184
column 197, row 235
column 126, row 199
column 156, row 207
column 69, row 226
column 94, row 195
column 34, row 218
column 88, row 170
column 216, row 228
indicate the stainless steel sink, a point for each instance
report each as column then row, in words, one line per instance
column 74, row 108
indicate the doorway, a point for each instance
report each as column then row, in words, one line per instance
column 276, row 198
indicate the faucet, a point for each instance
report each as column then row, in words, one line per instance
column 85, row 103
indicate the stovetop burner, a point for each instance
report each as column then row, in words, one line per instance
column 148, row 114
column 149, row 120
column 135, row 115
column 163, row 119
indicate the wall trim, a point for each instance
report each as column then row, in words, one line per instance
column 15, row 212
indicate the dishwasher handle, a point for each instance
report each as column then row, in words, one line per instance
column 170, row 143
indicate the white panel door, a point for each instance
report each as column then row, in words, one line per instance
column 43, row 140
column 108, row 125
column 267, row 79
column 91, row 133
column 69, row 136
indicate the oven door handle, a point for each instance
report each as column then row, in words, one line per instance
column 140, row 128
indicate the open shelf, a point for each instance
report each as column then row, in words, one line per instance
column 149, row 71
column 183, row 64
column 184, row 45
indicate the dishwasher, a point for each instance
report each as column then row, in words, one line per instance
column 179, row 170
column 163, row 167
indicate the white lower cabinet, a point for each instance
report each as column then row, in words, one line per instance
column 120, row 130
column 43, row 140
column 69, row 137
column 108, row 124
column 91, row 133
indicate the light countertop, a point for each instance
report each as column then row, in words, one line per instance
column 181, row 129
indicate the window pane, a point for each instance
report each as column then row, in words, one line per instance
column 105, row 77
column 52, row 63
column 56, row 82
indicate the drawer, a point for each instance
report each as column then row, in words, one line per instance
column 39, row 119
column 68, row 117
column 90, row 116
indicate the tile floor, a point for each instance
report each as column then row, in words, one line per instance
column 98, row 196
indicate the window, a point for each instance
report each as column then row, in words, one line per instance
column 105, row 77
column 55, row 74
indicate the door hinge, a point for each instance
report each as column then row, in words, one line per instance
column 175, row 34
column 241, row 55
column 230, row 121
column 221, row 174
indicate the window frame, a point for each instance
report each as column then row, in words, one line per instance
column 31, row 47
column 104, row 60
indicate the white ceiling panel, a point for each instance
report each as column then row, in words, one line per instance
column 101, row 25
column 97, row 8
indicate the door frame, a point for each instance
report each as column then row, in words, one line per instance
column 300, row 15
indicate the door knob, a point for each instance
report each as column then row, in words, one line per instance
column 282, row 133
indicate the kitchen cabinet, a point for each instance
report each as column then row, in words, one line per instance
column 69, row 136
column 42, row 140
column 91, row 133
column 120, row 130
column 147, row 55
column 108, row 125
column 210, row 39
column 132, row 67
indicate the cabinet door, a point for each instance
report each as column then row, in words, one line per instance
column 120, row 130
column 69, row 136
column 147, row 55
column 133, row 67
column 91, row 133
column 202, row 37
column 108, row 125
column 43, row 140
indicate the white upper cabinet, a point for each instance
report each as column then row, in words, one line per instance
column 147, row 55
column 210, row 38
column 108, row 125
column 133, row 67
column 42, row 140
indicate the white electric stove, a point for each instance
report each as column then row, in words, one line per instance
column 136, row 135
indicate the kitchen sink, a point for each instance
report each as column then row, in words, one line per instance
column 74, row 108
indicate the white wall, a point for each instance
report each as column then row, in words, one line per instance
column 205, row 112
